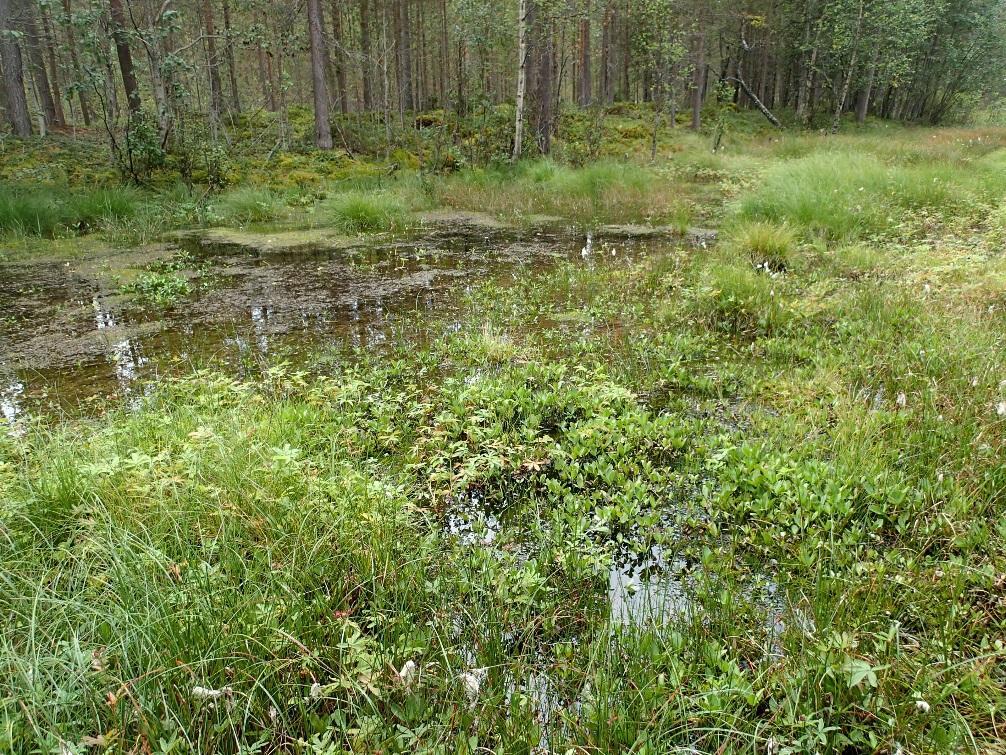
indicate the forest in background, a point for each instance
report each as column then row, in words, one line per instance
column 162, row 77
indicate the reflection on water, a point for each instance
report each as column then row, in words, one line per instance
column 10, row 401
column 69, row 336
column 643, row 589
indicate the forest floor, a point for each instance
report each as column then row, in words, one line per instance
column 645, row 492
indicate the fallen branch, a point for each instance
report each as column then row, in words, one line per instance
column 758, row 103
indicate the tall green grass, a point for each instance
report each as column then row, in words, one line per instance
column 246, row 205
column 50, row 211
column 843, row 195
column 606, row 191
column 361, row 212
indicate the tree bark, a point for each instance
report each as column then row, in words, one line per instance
column 585, row 77
column 49, row 42
column 850, row 72
column 85, row 109
column 213, row 63
column 698, row 78
column 232, row 70
column 339, row 59
column 443, row 85
column 607, row 92
column 322, row 127
column 265, row 79
column 366, row 62
column 36, row 62
column 518, row 138
column 863, row 99
column 403, row 41
column 13, row 72
column 124, row 55
column 543, row 55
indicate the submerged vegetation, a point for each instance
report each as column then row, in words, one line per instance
column 743, row 498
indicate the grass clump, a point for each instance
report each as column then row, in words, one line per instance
column 28, row 213
column 846, row 196
column 363, row 212
column 86, row 211
column 767, row 245
column 739, row 300
column 247, row 205
column 602, row 192
column 51, row 211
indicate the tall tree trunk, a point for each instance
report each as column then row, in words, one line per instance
column 13, row 73
column 366, row 61
column 443, row 87
column 849, row 74
column 543, row 56
column 213, row 64
column 322, row 127
column 232, row 69
column 326, row 54
column 518, row 138
column 585, row 78
column 403, row 40
column 339, row 59
column 265, row 78
column 805, row 86
column 85, row 109
column 461, row 106
column 777, row 87
column 36, row 61
column 155, row 49
column 625, row 52
column 49, row 43
column 607, row 92
column 125, row 56
column 863, row 99
column 698, row 78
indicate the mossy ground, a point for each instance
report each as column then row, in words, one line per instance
column 814, row 449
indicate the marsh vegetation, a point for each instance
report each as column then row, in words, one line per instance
column 568, row 377
column 740, row 496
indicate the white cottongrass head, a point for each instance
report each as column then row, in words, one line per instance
column 921, row 706
column 205, row 693
column 471, row 681
column 407, row 674
column 1001, row 408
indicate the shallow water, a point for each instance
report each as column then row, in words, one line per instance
column 70, row 339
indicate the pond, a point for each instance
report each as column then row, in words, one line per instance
column 71, row 339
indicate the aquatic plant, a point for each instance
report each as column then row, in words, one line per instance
column 160, row 289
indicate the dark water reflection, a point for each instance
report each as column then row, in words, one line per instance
column 69, row 338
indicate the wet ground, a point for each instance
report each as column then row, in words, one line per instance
column 70, row 338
